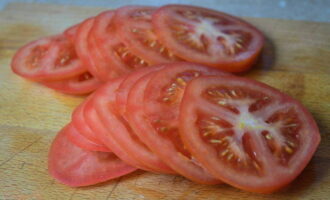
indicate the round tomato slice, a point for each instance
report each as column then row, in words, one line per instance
column 133, row 26
column 81, row 141
column 246, row 133
column 208, row 37
column 75, row 167
column 118, row 59
column 122, row 133
column 154, row 113
column 51, row 58
column 83, row 83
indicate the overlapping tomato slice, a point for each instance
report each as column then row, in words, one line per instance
column 51, row 58
column 208, row 37
column 80, row 84
column 153, row 111
column 123, row 134
column 75, row 166
column 100, row 127
column 79, row 122
column 246, row 133
column 81, row 141
column 118, row 59
column 134, row 28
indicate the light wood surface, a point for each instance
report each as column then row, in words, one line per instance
column 296, row 60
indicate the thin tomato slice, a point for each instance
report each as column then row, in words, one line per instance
column 134, row 28
column 154, row 112
column 246, row 133
column 51, row 58
column 97, row 125
column 118, row 59
column 81, row 141
column 106, row 67
column 80, row 84
column 71, row 33
column 76, row 167
column 127, row 84
column 208, row 37
column 122, row 133
column 78, row 120
column 82, row 46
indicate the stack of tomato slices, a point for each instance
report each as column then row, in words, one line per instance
column 188, row 119
column 117, row 42
column 153, row 110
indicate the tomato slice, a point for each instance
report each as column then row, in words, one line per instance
column 78, row 120
column 246, row 133
column 127, row 84
column 208, row 37
column 71, row 33
column 81, row 141
column 97, row 125
column 82, row 45
column 105, row 68
column 134, row 28
column 51, row 58
column 117, row 58
column 154, row 111
column 75, row 167
column 80, row 84
column 122, row 133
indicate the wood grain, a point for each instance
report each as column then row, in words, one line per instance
column 295, row 60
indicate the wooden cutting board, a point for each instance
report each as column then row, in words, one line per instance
column 296, row 60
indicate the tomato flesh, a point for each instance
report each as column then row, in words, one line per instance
column 256, row 138
column 79, row 122
column 81, row 141
column 208, row 37
column 76, row 167
column 134, row 28
column 118, row 59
